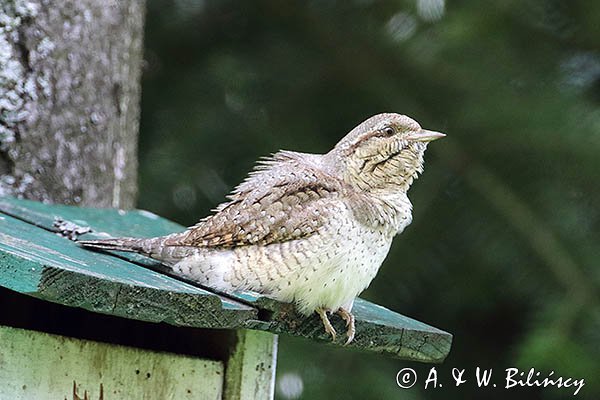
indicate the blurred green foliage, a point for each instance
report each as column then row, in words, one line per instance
column 504, row 248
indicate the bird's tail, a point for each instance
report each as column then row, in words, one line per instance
column 155, row 247
column 120, row 244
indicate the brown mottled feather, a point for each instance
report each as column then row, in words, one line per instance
column 283, row 199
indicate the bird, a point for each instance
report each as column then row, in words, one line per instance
column 301, row 228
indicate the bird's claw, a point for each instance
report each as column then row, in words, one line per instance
column 349, row 318
column 329, row 329
column 326, row 323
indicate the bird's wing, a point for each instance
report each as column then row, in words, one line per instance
column 282, row 199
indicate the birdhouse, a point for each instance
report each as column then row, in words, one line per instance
column 80, row 324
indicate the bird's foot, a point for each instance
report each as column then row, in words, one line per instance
column 328, row 327
column 349, row 318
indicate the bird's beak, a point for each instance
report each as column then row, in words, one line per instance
column 425, row 136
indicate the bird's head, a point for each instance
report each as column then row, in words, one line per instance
column 385, row 152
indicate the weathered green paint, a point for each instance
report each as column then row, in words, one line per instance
column 107, row 220
column 378, row 330
column 250, row 372
column 39, row 263
column 104, row 221
column 35, row 365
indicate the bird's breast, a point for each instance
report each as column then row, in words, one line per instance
column 328, row 269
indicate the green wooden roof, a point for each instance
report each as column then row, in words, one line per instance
column 36, row 261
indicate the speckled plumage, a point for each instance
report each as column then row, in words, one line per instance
column 305, row 228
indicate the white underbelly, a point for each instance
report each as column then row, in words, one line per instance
column 336, row 277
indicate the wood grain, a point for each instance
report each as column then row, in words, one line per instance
column 38, row 365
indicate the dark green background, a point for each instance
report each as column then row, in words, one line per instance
column 503, row 251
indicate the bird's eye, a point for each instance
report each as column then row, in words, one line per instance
column 388, row 130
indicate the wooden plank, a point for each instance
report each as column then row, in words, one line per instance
column 39, row 263
column 37, row 365
column 107, row 221
column 378, row 329
column 250, row 372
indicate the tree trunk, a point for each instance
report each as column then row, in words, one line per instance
column 69, row 100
